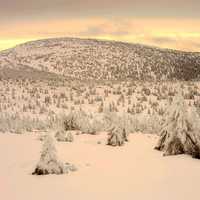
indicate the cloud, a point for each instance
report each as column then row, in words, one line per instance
column 93, row 30
column 19, row 10
column 175, row 42
column 168, row 33
column 109, row 27
column 163, row 40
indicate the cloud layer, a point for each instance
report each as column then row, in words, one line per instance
column 170, row 24
column 34, row 9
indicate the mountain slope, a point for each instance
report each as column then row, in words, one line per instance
column 85, row 59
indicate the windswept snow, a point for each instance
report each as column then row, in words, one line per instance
column 133, row 171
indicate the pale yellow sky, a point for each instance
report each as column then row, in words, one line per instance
column 176, row 33
column 165, row 23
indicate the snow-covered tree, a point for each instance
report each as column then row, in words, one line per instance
column 78, row 120
column 64, row 136
column 69, row 136
column 49, row 163
column 117, row 137
column 180, row 132
column 86, row 124
column 100, row 108
column 125, row 135
column 61, row 136
column 70, row 121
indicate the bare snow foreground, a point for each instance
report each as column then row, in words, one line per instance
column 134, row 171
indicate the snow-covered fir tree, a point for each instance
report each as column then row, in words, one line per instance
column 64, row 136
column 117, row 137
column 70, row 121
column 100, row 108
column 180, row 132
column 61, row 136
column 69, row 136
column 49, row 163
column 78, row 120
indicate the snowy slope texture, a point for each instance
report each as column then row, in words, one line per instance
column 90, row 59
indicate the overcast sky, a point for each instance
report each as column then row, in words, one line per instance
column 171, row 24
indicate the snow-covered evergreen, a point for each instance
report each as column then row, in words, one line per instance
column 180, row 132
column 64, row 136
column 61, row 136
column 69, row 136
column 117, row 136
column 49, row 163
column 70, row 121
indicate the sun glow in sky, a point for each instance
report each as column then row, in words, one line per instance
column 172, row 24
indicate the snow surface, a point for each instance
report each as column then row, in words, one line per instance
column 133, row 171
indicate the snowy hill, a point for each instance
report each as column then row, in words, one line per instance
column 99, row 60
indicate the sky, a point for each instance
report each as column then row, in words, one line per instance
column 163, row 23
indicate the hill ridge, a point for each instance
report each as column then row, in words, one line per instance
column 94, row 59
